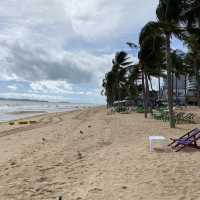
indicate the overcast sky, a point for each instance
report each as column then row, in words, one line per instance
column 61, row 49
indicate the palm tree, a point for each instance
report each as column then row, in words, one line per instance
column 141, row 73
column 179, row 68
column 114, row 83
column 109, row 88
column 151, row 59
column 168, row 14
column 120, row 66
column 191, row 19
column 194, row 60
column 190, row 13
column 132, row 86
column 151, row 53
column 193, row 43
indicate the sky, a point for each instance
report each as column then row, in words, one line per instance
column 60, row 50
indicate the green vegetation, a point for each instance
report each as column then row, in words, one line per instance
column 23, row 122
column 140, row 109
column 33, row 122
column 27, row 122
column 175, row 18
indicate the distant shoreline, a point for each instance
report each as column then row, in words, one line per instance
column 25, row 112
column 15, row 110
column 27, row 115
column 31, row 100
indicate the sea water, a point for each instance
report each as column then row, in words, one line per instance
column 17, row 109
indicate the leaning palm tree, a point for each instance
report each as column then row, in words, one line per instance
column 109, row 88
column 151, row 53
column 132, row 82
column 121, row 64
column 151, row 58
column 114, row 83
column 140, row 70
column 168, row 14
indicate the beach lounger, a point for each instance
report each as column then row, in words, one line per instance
column 189, row 117
column 189, row 139
column 191, row 142
column 181, row 117
column 193, row 131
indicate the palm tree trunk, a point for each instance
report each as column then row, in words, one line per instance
column 149, row 78
column 172, row 77
column 169, row 81
column 144, row 96
column 176, row 89
column 147, row 93
column 185, row 88
column 118, row 98
column 198, row 82
column 159, row 88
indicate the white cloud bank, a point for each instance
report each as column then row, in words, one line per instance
column 58, row 43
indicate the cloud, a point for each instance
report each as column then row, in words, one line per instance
column 50, row 43
column 34, row 96
column 110, row 20
column 12, row 87
column 37, row 64
column 51, row 87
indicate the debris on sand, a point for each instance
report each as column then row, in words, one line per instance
column 60, row 198
column 80, row 156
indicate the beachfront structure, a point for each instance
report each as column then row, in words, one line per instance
column 179, row 85
column 191, row 96
column 184, row 89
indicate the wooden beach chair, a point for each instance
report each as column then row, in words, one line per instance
column 181, row 117
column 189, row 117
column 189, row 139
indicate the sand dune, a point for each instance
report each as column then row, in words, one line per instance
column 89, row 155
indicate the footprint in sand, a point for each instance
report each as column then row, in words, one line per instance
column 95, row 190
column 42, row 179
column 182, row 198
column 12, row 163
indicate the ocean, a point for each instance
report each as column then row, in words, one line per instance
column 18, row 109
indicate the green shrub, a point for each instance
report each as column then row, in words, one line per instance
column 23, row 122
column 140, row 109
column 33, row 122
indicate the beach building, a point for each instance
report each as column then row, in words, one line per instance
column 184, row 89
column 191, row 96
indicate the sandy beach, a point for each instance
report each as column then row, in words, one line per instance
column 89, row 155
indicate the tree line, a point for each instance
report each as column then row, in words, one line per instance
column 156, row 58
